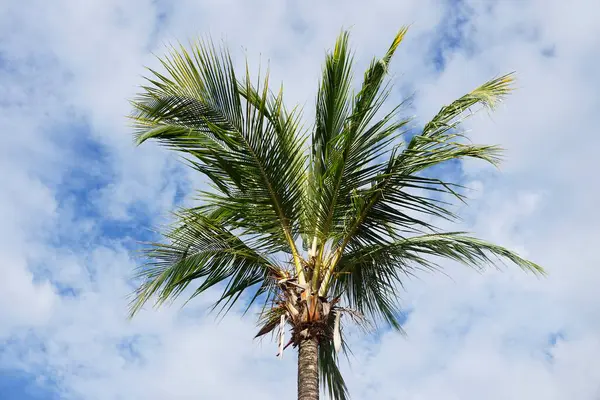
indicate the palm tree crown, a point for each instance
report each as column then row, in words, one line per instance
column 313, row 226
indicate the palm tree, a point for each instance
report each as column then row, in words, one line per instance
column 313, row 230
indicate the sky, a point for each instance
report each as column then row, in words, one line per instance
column 77, row 197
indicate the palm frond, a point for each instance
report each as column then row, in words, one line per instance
column 333, row 101
column 371, row 288
column 243, row 141
column 333, row 107
column 438, row 141
column 369, row 275
column 488, row 95
column 344, row 153
column 269, row 320
column 329, row 372
column 459, row 247
column 200, row 250
column 390, row 205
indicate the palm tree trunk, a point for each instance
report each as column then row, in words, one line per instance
column 308, row 370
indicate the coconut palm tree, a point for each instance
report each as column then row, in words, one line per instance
column 319, row 231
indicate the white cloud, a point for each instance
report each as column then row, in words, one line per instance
column 472, row 336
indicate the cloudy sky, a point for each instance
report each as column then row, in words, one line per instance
column 76, row 196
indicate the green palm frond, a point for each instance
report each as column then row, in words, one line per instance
column 329, row 372
column 390, row 205
column 200, row 248
column 243, row 141
column 346, row 147
column 371, row 288
column 488, row 95
column 439, row 141
column 332, row 111
column 333, row 102
column 330, row 375
column 464, row 249
column 370, row 275
column 456, row 246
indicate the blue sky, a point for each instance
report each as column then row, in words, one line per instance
column 77, row 197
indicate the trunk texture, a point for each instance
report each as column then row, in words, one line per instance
column 308, row 370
